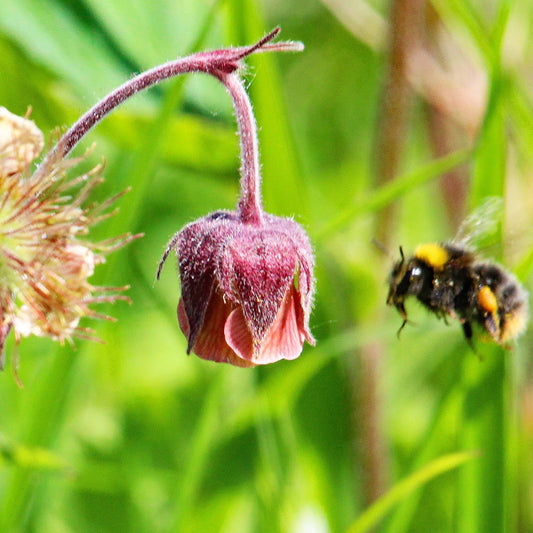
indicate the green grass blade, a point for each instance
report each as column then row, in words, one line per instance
column 393, row 190
column 482, row 493
column 30, row 457
column 371, row 517
column 482, row 503
column 448, row 411
column 462, row 11
column 51, row 35
column 206, row 435
column 43, row 411
column 491, row 152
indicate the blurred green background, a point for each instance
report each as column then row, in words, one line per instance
column 398, row 119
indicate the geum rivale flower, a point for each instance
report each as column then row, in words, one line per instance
column 246, row 276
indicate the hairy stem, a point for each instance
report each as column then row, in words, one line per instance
column 250, row 208
column 214, row 63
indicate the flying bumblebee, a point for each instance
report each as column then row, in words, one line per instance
column 450, row 281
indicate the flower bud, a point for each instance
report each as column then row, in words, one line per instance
column 246, row 290
column 246, row 276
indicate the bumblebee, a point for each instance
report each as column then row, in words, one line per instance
column 449, row 280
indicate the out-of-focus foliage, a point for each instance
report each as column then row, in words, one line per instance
column 133, row 435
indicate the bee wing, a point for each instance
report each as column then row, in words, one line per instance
column 480, row 228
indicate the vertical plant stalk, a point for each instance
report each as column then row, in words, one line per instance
column 405, row 22
column 368, row 441
column 445, row 138
column 484, row 503
column 406, row 19
column 483, row 485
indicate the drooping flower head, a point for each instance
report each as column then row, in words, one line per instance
column 246, row 276
column 246, row 289
column 45, row 262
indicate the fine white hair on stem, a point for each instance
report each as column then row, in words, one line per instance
column 212, row 62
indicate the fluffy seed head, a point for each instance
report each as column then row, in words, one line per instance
column 45, row 263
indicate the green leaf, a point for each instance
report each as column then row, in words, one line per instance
column 150, row 40
column 52, row 36
column 27, row 457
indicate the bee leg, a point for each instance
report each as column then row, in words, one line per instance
column 491, row 326
column 403, row 313
column 467, row 330
column 401, row 327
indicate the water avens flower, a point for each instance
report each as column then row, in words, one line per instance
column 246, row 276
column 246, row 289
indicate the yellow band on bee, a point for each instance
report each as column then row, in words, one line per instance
column 514, row 324
column 487, row 299
column 433, row 254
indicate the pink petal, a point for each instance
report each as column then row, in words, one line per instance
column 303, row 319
column 283, row 340
column 238, row 335
column 210, row 342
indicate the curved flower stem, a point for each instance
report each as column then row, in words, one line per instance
column 214, row 62
column 250, row 208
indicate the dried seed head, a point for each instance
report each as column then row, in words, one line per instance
column 44, row 264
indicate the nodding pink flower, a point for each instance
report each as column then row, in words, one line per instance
column 246, row 276
column 246, row 289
